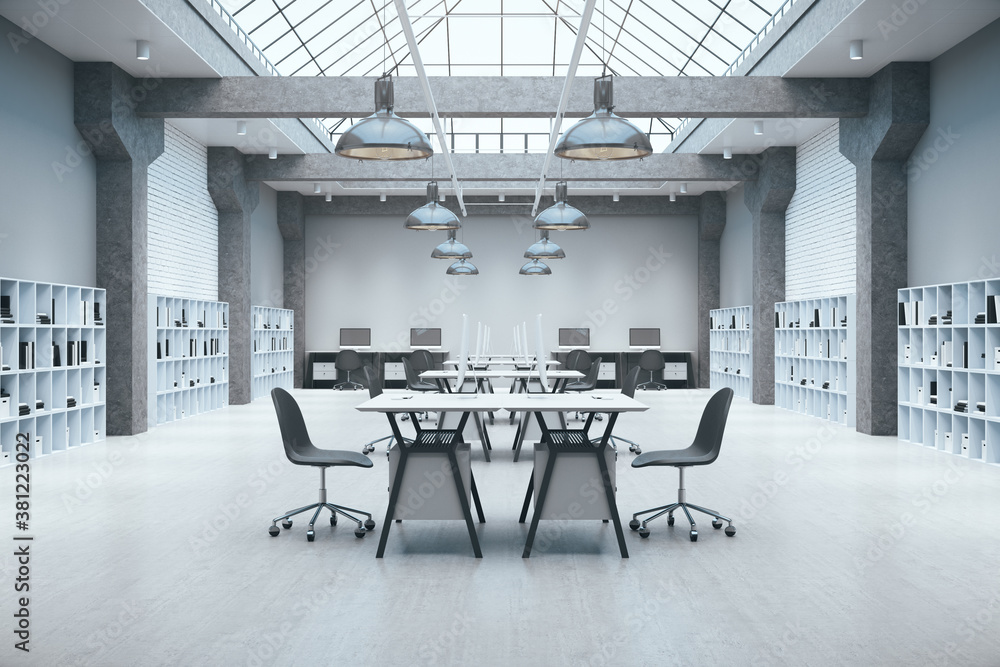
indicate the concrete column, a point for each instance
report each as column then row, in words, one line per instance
column 235, row 199
column 879, row 146
column 124, row 145
column 767, row 198
column 292, row 223
column 711, row 223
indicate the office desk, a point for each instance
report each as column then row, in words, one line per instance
column 445, row 441
column 569, row 443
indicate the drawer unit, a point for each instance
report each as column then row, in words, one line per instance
column 324, row 370
column 675, row 371
column 607, row 371
column 394, row 371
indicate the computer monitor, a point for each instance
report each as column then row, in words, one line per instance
column 355, row 338
column 574, row 337
column 646, row 338
column 425, row 338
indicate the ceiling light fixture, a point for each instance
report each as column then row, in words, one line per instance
column 272, row 154
column 451, row 249
column 614, row 197
column 603, row 135
column 241, row 128
column 384, row 135
column 727, row 153
column 381, row 196
column 684, row 188
column 501, row 197
column 329, row 197
column 544, row 249
column 431, row 216
column 758, row 127
column 317, row 189
column 673, row 197
column 535, row 268
column 561, row 216
column 857, row 49
column 141, row 49
column 462, row 268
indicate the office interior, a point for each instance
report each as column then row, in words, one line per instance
column 833, row 158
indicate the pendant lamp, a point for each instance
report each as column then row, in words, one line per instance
column 462, row 268
column 535, row 268
column 544, row 249
column 561, row 216
column 603, row 135
column 432, row 216
column 384, row 135
column 451, row 249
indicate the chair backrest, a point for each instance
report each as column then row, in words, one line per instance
column 421, row 360
column 708, row 440
column 412, row 379
column 578, row 360
column 630, row 382
column 374, row 388
column 294, row 435
column 348, row 360
column 588, row 381
column 651, row 360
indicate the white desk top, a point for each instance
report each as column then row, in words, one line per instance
column 500, row 373
column 420, row 402
column 500, row 360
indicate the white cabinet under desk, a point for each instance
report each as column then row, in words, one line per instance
column 324, row 370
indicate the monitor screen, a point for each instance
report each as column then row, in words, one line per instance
column 425, row 338
column 355, row 337
column 644, row 337
column 574, row 337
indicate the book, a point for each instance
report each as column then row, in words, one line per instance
column 56, row 357
column 992, row 306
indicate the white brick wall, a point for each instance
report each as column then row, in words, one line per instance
column 820, row 230
column 183, row 222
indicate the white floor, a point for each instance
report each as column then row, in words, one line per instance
column 851, row 550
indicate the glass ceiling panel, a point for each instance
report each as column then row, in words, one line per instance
column 503, row 38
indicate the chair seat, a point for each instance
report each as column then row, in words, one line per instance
column 423, row 386
column 314, row 456
column 675, row 457
column 577, row 386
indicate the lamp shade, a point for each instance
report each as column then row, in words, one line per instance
column 384, row 135
column 451, row 249
column 544, row 249
column 432, row 216
column 603, row 135
column 535, row 268
column 462, row 268
column 561, row 216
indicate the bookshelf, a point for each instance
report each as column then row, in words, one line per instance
column 52, row 366
column 949, row 368
column 814, row 361
column 730, row 341
column 189, row 357
column 273, row 350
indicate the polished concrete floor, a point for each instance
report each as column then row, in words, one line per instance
column 851, row 550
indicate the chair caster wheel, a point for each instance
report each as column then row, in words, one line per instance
column 333, row 520
column 717, row 524
column 286, row 524
column 730, row 531
column 360, row 532
column 634, row 524
column 694, row 535
column 369, row 525
column 670, row 520
column 644, row 532
column 310, row 536
column 273, row 531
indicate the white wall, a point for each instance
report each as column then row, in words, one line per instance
column 267, row 258
column 370, row 272
column 736, row 253
column 48, row 179
column 820, row 225
column 183, row 227
column 954, row 173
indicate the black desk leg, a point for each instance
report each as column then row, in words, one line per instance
column 540, row 503
column 393, row 497
column 475, row 498
column 608, row 490
column 527, row 497
column 519, row 440
column 466, row 510
column 483, row 436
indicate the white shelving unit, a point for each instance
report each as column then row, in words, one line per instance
column 53, row 344
column 730, row 349
column 814, row 361
column 273, row 350
column 949, row 368
column 189, row 357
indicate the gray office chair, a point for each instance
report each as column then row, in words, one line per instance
column 300, row 450
column 375, row 389
column 628, row 388
column 348, row 361
column 703, row 451
column 578, row 360
column 652, row 361
column 589, row 381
